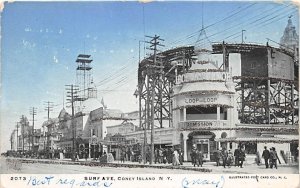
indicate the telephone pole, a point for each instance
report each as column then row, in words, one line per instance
column 22, row 121
column 33, row 113
column 72, row 96
column 17, row 125
column 155, row 74
column 48, row 108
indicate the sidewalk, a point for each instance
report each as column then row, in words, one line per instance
column 208, row 167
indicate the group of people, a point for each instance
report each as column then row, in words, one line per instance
column 270, row 157
column 228, row 158
column 166, row 156
column 197, row 157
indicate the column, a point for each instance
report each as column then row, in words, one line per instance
column 218, row 113
column 184, row 114
column 185, row 137
column 89, row 150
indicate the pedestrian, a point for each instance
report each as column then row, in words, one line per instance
column 236, row 156
column 217, row 155
column 169, row 155
column 175, row 160
column 199, row 158
column 77, row 157
column 242, row 157
column 229, row 158
column 156, row 155
column 180, row 157
column 160, row 155
column 274, row 157
column 193, row 156
column 128, row 154
column 266, row 156
column 122, row 156
column 224, row 155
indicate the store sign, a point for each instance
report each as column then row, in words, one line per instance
column 200, row 100
column 195, row 125
column 188, row 100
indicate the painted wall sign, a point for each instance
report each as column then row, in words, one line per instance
column 188, row 125
column 203, row 100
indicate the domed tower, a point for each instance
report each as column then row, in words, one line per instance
column 290, row 38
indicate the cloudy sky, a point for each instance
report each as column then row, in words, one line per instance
column 41, row 40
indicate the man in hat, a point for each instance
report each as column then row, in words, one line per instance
column 266, row 156
column 224, row 155
column 236, row 156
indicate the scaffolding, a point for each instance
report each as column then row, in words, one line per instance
column 155, row 81
column 268, row 85
column 84, row 78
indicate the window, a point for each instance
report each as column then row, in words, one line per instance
column 201, row 113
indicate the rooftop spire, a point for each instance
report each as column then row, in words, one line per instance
column 290, row 38
column 202, row 41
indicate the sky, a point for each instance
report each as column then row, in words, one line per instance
column 41, row 40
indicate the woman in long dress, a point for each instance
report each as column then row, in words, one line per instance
column 175, row 158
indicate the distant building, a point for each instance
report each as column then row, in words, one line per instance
column 290, row 38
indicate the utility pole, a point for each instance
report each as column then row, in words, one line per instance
column 17, row 135
column 33, row 113
column 72, row 96
column 154, row 42
column 22, row 131
column 48, row 108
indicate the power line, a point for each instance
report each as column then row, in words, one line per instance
column 213, row 24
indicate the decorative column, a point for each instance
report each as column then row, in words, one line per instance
column 184, row 114
column 185, row 137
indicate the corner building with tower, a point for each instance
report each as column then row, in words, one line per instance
column 203, row 107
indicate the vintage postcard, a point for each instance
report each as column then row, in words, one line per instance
column 149, row 93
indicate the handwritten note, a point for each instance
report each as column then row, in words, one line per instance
column 65, row 182
column 214, row 183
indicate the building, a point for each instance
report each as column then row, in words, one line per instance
column 204, row 107
column 290, row 38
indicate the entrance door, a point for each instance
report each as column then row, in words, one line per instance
column 203, row 146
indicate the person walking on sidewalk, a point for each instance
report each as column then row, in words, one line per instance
column 193, row 156
column 229, row 158
column 273, row 158
column 242, row 157
column 266, row 156
column 122, row 156
column 199, row 158
column 236, row 156
column 224, row 155
column 180, row 153
column 217, row 154
column 175, row 160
